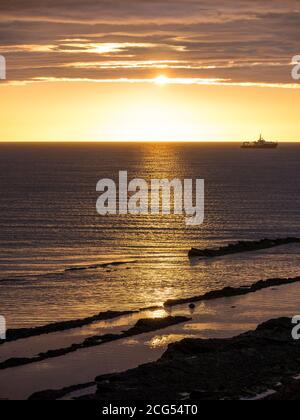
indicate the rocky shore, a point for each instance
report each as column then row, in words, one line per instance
column 242, row 246
column 143, row 325
column 238, row 368
column 250, row 366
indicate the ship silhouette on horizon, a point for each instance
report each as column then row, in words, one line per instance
column 260, row 144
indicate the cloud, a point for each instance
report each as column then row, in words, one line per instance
column 142, row 10
column 246, row 42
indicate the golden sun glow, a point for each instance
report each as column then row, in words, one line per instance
column 161, row 80
column 125, row 71
column 79, row 111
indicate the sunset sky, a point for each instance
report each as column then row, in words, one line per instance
column 149, row 70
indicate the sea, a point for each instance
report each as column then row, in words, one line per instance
column 59, row 258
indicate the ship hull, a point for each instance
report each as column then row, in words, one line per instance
column 265, row 146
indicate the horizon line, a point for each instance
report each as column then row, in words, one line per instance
column 130, row 141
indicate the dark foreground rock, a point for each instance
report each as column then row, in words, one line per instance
column 288, row 392
column 242, row 246
column 56, row 394
column 240, row 367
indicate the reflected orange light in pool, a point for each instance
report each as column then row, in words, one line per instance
column 163, row 340
column 160, row 313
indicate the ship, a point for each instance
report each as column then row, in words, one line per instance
column 260, row 144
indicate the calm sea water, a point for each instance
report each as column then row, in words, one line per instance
column 48, row 222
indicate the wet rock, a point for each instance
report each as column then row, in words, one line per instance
column 142, row 326
column 49, row 395
column 55, row 394
column 233, row 291
column 14, row 362
column 17, row 334
column 242, row 246
column 75, row 269
column 152, row 324
column 290, row 392
column 212, row 369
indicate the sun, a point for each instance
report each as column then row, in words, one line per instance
column 161, row 80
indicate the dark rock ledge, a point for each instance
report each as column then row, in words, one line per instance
column 142, row 326
column 242, row 246
column 234, row 291
column 96, row 266
column 20, row 333
column 17, row 334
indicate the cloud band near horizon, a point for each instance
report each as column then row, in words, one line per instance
column 235, row 42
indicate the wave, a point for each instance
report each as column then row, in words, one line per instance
column 24, row 279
